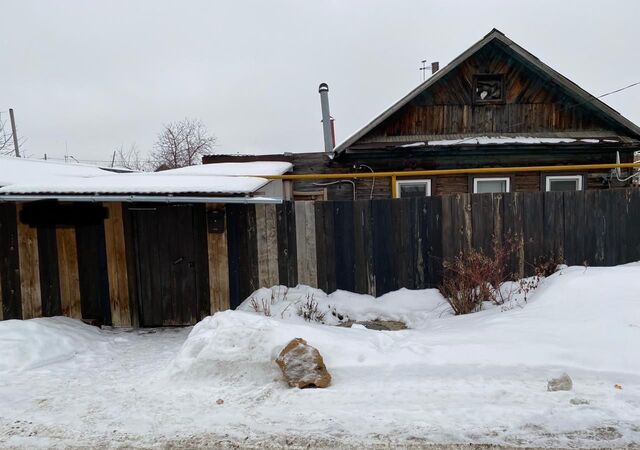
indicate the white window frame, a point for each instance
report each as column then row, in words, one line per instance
column 549, row 178
column 477, row 179
column 425, row 181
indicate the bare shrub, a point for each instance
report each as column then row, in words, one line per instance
column 547, row 265
column 473, row 277
column 309, row 310
column 261, row 306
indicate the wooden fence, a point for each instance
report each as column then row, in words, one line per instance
column 152, row 265
column 378, row 246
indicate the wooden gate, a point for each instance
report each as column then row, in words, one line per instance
column 170, row 245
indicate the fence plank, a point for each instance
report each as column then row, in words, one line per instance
column 92, row 273
column 553, row 223
column 267, row 245
column 49, row 278
column 9, row 263
column 306, row 243
column 217, row 257
column 117, row 266
column 363, row 257
column 533, row 228
column 382, row 246
column 436, row 252
column 344, row 239
column 68, row 272
column 29, row 270
column 329, row 246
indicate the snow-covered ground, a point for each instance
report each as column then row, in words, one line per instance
column 479, row 378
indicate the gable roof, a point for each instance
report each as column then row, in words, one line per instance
column 495, row 35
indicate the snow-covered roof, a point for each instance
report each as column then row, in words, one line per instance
column 497, row 140
column 138, row 183
column 29, row 177
column 255, row 168
column 18, row 170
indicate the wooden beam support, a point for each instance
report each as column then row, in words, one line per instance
column 117, row 266
column 68, row 272
column 29, row 269
column 217, row 253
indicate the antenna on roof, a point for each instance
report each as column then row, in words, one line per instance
column 435, row 66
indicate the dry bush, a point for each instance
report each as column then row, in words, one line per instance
column 309, row 310
column 474, row 277
column 263, row 306
column 547, row 265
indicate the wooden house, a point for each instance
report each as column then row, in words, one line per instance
column 494, row 106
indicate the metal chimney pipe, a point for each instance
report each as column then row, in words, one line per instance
column 326, row 118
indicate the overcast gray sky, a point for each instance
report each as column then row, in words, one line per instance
column 95, row 75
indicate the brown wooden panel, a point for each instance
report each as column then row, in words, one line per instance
column 68, row 272
column 218, row 268
column 29, row 270
column 266, row 231
column 306, row 243
column 117, row 266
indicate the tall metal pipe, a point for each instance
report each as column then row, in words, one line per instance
column 326, row 118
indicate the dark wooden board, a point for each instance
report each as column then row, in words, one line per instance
column 92, row 272
column 344, row 245
column 383, row 251
column 48, row 265
column 532, row 208
column 9, row 263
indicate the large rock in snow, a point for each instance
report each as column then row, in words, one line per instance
column 562, row 383
column 302, row 365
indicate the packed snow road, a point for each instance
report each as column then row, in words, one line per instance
column 479, row 379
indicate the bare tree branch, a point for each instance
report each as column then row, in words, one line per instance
column 130, row 159
column 182, row 144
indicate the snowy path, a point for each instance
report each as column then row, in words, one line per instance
column 117, row 398
column 450, row 383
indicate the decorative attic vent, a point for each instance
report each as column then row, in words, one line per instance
column 488, row 89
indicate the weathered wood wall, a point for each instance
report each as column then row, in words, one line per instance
column 532, row 103
column 153, row 265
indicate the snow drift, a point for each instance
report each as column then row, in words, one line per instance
column 584, row 318
column 27, row 344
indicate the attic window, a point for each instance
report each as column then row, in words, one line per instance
column 488, row 89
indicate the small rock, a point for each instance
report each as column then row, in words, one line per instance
column 302, row 365
column 562, row 383
column 219, row 401
column 579, row 401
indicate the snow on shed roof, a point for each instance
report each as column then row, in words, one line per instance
column 139, row 183
column 22, row 177
column 255, row 168
column 18, row 170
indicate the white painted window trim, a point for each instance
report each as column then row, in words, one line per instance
column 476, row 179
column 425, row 181
column 550, row 178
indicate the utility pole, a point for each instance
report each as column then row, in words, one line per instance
column 14, row 133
